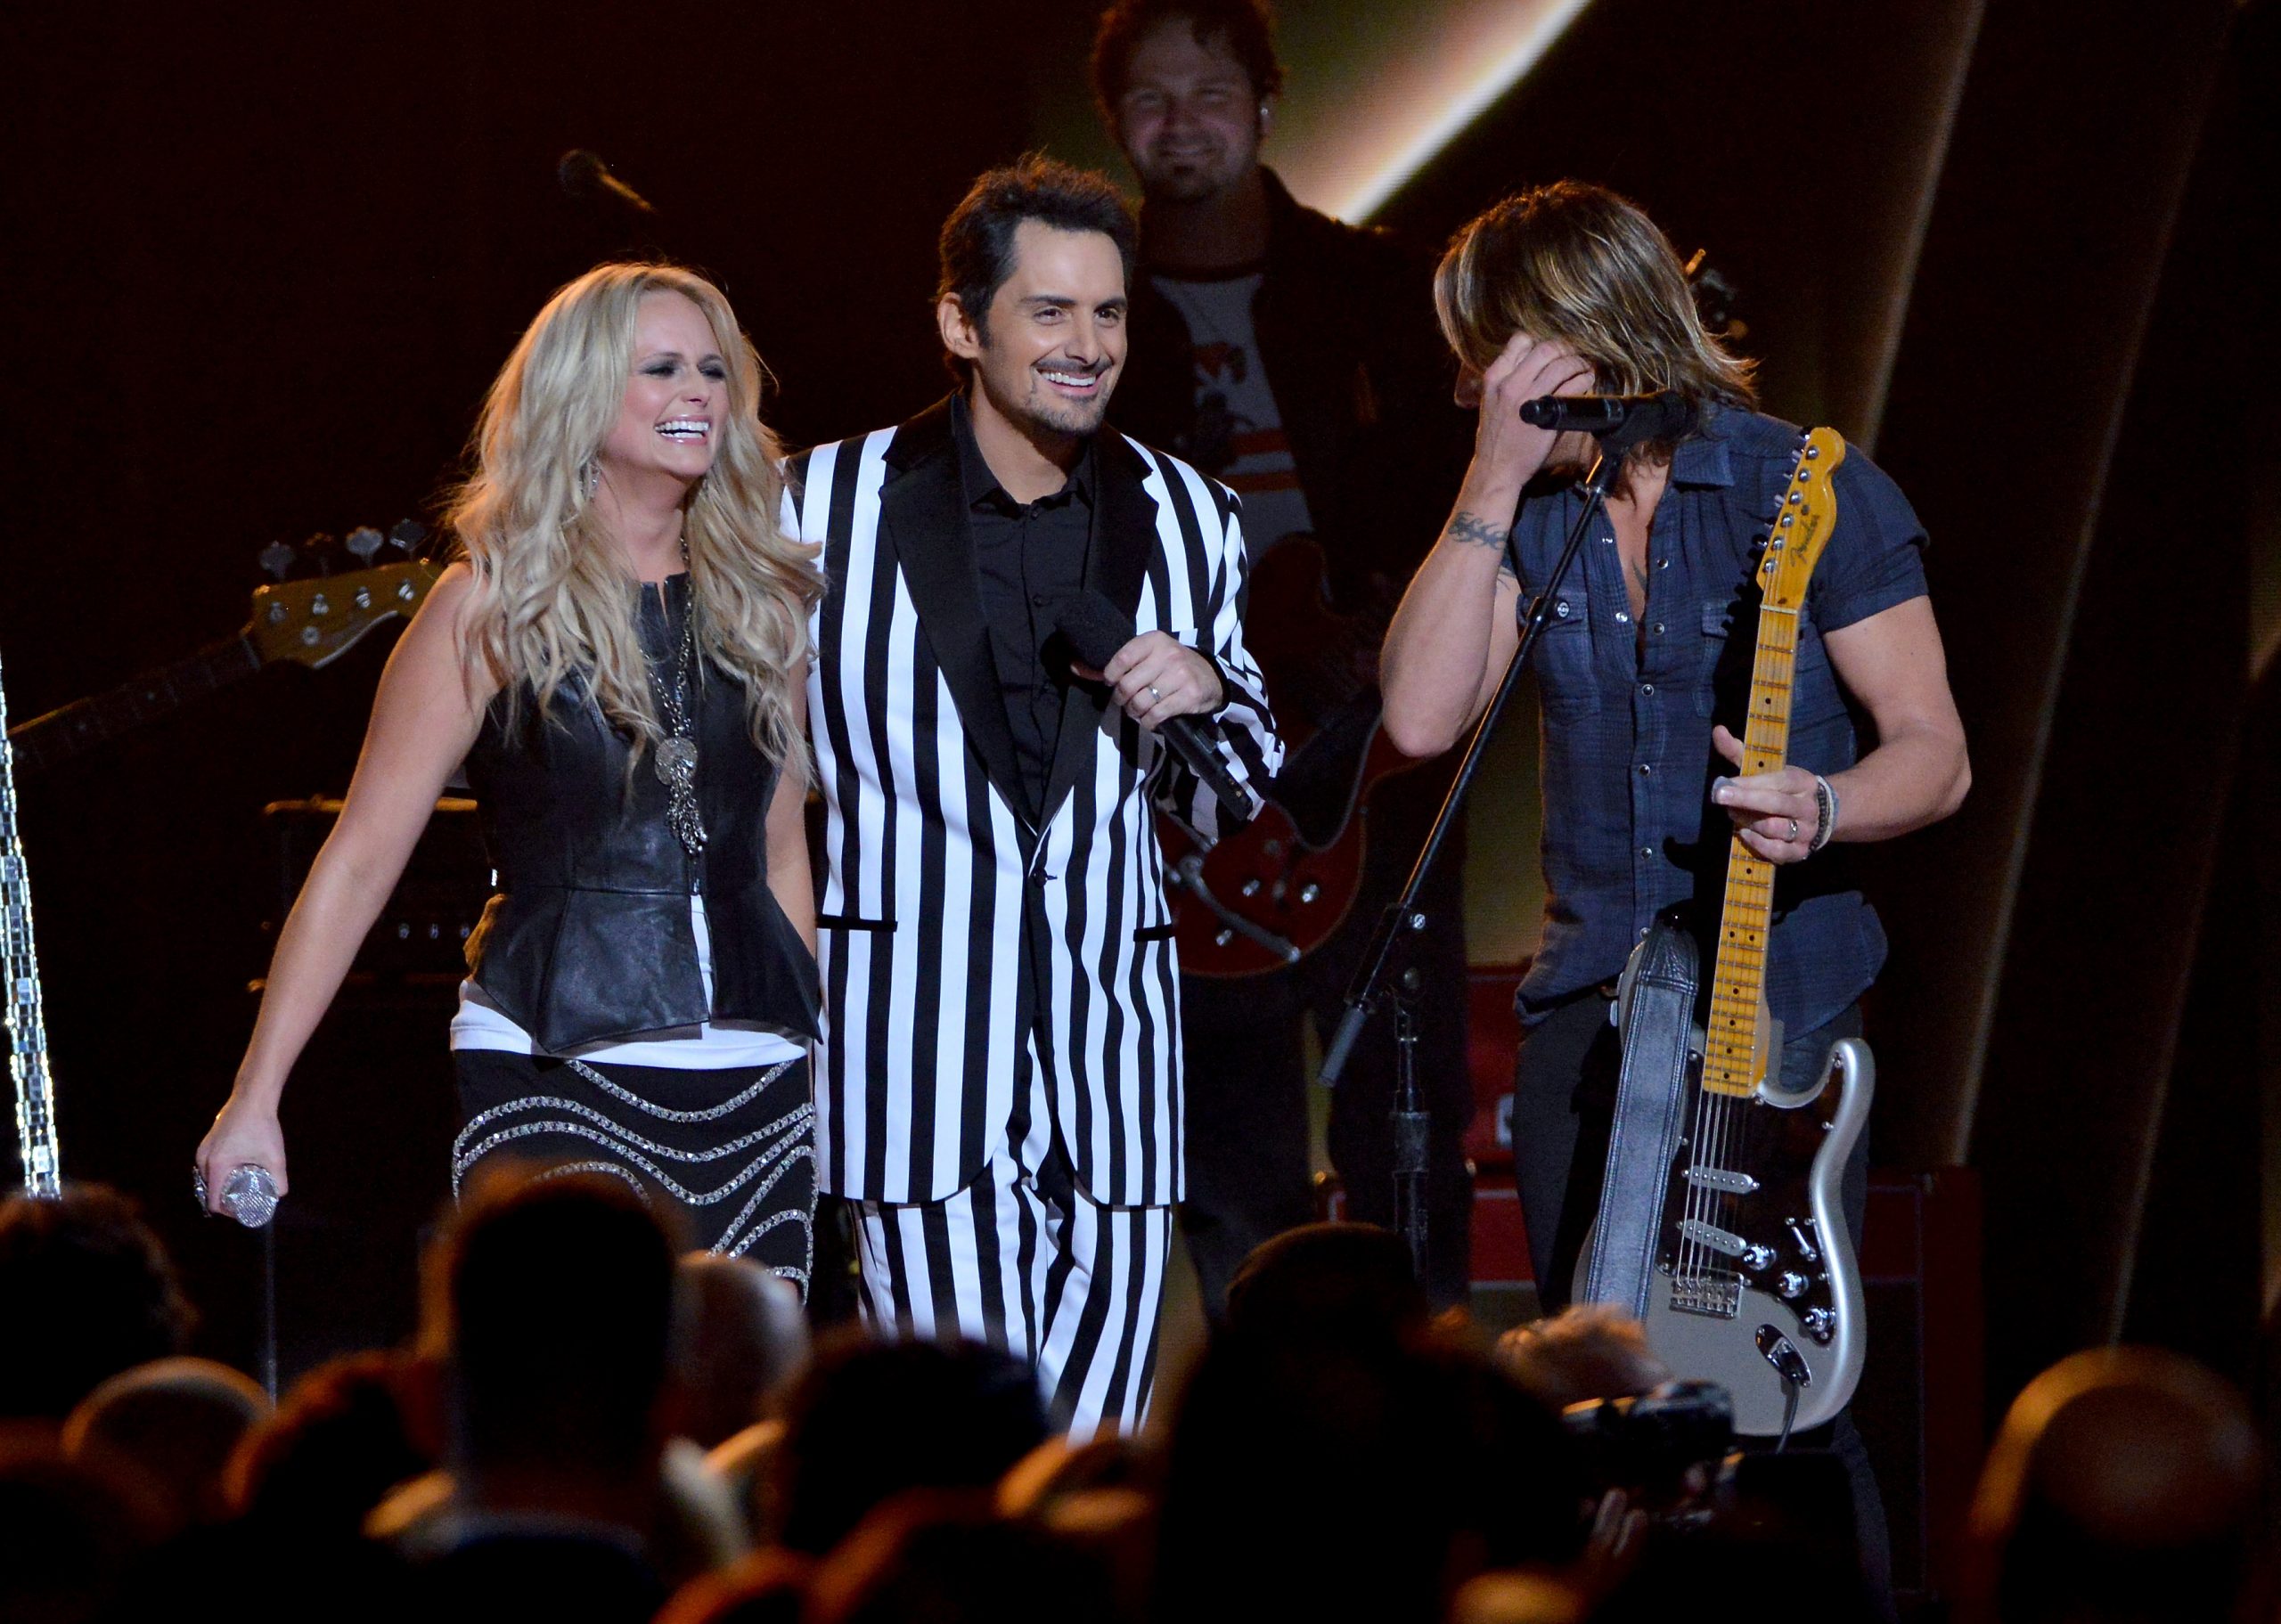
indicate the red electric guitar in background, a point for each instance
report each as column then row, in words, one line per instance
column 1274, row 890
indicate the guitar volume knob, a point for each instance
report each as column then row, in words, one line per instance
column 1821, row 1323
column 1791, row 1286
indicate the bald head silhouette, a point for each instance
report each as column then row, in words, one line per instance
column 2123, row 1486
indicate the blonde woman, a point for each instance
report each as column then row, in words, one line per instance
column 619, row 659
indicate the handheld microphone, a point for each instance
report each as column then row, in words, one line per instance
column 1096, row 629
column 1641, row 417
column 249, row 1194
column 583, row 176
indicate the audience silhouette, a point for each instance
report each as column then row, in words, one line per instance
column 592, row 1428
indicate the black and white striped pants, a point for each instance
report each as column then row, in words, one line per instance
column 1024, row 1261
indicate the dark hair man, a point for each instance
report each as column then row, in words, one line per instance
column 90, row 1292
column 554, row 1303
column 998, row 1083
column 550, row 1307
column 1296, row 358
column 1569, row 289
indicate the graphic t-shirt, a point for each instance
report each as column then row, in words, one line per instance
column 1237, row 437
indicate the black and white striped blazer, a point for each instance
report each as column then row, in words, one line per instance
column 938, row 889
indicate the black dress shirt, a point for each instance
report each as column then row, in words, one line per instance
column 1029, row 557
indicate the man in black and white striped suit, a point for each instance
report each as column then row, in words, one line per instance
column 998, row 1083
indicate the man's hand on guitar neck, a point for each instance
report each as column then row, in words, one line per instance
column 1891, row 665
column 1776, row 813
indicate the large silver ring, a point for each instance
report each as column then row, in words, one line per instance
column 1153, row 694
column 1794, row 828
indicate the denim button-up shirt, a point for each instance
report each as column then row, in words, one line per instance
column 1628, row 827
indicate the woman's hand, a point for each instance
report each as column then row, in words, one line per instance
column 245, row 1131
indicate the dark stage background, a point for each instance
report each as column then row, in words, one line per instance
column 265, row 261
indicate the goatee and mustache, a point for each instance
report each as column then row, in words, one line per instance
column 1065, row 396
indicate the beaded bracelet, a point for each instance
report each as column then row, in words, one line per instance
column 1825, row 813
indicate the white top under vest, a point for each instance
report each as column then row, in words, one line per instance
column 711, row 1046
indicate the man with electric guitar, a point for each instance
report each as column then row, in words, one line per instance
column 1649, row 696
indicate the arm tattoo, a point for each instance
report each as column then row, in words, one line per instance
column 1475, row 531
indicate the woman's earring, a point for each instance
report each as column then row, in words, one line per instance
column 590, row 478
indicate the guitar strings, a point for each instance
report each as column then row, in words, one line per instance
column 1773, row 664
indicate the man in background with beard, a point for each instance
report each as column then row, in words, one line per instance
column 1296, row 358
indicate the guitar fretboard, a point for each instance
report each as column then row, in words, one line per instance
column 1739, row 982
column 44, row 740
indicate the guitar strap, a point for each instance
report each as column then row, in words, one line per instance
column 1658, row 1025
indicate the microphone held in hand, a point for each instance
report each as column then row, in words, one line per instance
column 1096, row 629
column 1636, row 417
column 249, row 1194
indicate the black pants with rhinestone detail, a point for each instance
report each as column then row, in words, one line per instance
column 727, row 1155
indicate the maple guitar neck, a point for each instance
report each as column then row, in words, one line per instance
column 1736, row 1031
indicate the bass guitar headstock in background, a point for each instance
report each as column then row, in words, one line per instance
column 322, row 599
column 324, row 595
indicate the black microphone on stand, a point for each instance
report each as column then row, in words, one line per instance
column 1663, row 416
column 584, row 177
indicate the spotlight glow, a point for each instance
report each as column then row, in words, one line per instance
column 1419, row 92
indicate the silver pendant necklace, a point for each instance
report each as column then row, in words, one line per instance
column 675, row 761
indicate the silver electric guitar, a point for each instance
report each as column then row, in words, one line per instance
column 1720, row 1223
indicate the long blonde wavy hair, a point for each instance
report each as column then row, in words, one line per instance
column 1575, row 263
column 552, row 599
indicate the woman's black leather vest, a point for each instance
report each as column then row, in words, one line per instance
column 589, row 937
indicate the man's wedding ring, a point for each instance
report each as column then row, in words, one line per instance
column 1794, row 828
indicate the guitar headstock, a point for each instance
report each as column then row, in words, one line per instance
column 1801, row 528
column 314, row 619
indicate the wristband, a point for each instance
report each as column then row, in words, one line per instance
column 1825, row 814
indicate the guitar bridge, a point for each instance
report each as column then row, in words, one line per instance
column 1715, row 1296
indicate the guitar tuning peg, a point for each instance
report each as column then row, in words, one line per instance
column 321, row 550
column 277, row 558
column 364, row 542
column 407, row 535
